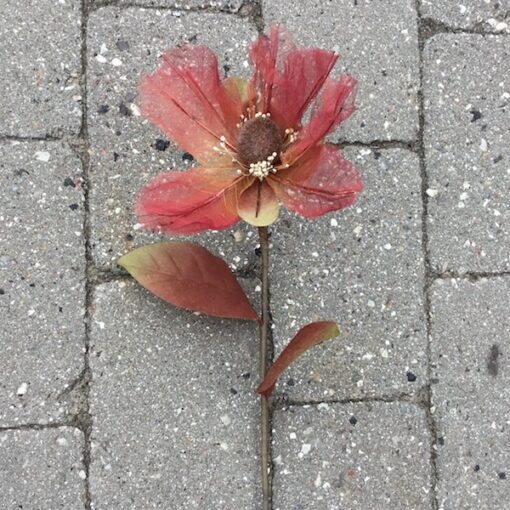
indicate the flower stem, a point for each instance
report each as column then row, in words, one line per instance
column 265, row 431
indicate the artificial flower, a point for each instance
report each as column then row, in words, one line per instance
column 253, row 148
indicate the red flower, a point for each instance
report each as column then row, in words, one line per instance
column 248, row 137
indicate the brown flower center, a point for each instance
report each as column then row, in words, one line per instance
column 258, row 139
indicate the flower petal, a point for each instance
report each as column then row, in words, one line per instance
column 322, row 182
column 336, row 104
column 287, row 77
column 186, row 99
column 258, row 204
column 189, row 202
column 238, row 88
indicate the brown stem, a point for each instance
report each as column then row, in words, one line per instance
column 265, row 432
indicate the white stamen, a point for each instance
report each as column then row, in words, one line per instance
column 291, row 135
column 261, row 169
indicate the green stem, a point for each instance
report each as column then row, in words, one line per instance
column 265, row 432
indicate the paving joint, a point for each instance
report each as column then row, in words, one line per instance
column 78, row 141
column 422, row 36
column 252, row 10
column 429, row 27
column 419, row 399
column 45, row 138
column 41, row 426
column 84, row 418
column 472, row 276
column 175, row 8
column 99, row 276
column 410, row 145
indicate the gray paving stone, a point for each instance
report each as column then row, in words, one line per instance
column 362, row 267
column 467, row 151
column 355, row 456
column 42, row 469
column 471, row 391
column 123, row 156
column 42, row 275
column 377, row 42
column 173, row 403
column 40, row 78
column 488, row 15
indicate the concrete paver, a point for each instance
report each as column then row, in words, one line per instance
column 362, row 267
column 42, row 469
column 487, row 15
column 355, row 456
column 175, row 413
column 378, row 46
column 468, row 152
column 471, row 381
column 40, row 80
column 125, row 149
column 42, row 280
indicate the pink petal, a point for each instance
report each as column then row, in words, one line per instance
column 258, row 204
column 335, row 104
column 288, row 78
column 323, row 181
column 189, row 202
column 186, row 99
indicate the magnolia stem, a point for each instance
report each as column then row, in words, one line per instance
column 265, row 432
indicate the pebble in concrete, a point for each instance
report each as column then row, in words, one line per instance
column 40, row 82
column 42, row 272
column 42, row 469
column 174, row 409
column 354, row 456
column 128, row 151
column 471, row 391
column 467, row 98
column 379, row 47
column 487, row 15
column 362, row 267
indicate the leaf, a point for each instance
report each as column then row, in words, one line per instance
column 189, row 276
column 308, row 336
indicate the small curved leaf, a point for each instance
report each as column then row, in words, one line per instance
column 308, row 336
column 189, row 276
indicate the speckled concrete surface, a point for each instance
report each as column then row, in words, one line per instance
column 376, row 40
column 110, row 399
column 42, row 469
column 175, row 418
column 125, row 152
column 467, row 149
column 471, row 391
column 481, row 15
column 356, row 456
column 364, row 267
column 42, row 280
column 41, row 76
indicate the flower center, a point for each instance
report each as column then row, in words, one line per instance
column 259, row 141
